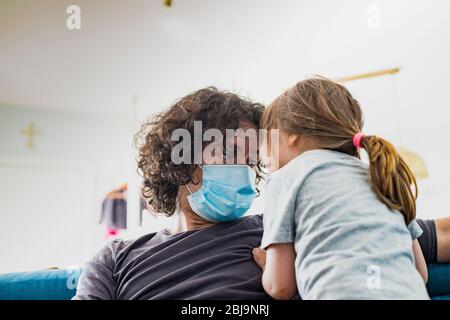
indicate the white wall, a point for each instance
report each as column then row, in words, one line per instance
column 50, row 196
column 46, row 210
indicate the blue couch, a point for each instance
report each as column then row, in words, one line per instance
column 439, row 281
column 49, row 284
column 60, row 284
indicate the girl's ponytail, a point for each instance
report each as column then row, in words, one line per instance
column 390, row 176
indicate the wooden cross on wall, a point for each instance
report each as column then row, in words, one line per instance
column 30, row 131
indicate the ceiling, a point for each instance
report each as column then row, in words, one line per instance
column 99, row 68
column 141, row 48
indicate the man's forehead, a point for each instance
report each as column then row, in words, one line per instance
column 245, row 125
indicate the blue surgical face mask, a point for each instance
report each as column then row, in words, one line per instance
column 226, row 194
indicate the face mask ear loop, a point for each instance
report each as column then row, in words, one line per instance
column 187, row 186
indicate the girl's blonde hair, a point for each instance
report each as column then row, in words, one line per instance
column 327, row 112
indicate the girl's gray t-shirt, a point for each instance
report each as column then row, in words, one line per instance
column 349, row 245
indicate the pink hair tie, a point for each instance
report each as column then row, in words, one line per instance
column 357, row 139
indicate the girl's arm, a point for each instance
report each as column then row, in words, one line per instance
column 421, row 265
column 278, row 265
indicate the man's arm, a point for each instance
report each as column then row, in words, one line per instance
column 443, row 239
column 96, row 281
column 435, row 240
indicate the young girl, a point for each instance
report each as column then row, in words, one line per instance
column 334, row 226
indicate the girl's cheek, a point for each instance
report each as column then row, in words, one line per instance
column 272, row 169
column 269, row 161
column 275, row 157
column 264, row 155
column 273, row 165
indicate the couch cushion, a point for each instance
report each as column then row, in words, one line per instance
column 439, row 279
column 51, row 284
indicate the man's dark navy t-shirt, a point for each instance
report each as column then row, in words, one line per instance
column 210, row 263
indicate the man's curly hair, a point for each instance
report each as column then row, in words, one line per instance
column 215, row 109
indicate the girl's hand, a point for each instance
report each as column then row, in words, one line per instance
column 260, row 257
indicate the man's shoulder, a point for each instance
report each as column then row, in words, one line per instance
column 113, row 248
column 121, row 247
column 254, row 220
column 246, row 226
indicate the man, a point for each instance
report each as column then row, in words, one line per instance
column 198, row 258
